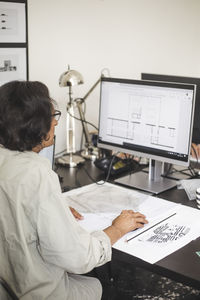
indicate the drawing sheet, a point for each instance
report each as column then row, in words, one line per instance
column 101, row 204
column 110, row 198
column 165, row 238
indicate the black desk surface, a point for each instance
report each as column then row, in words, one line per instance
column 182, row 265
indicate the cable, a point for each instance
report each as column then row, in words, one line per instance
column 195, row 152
column 129, row 161
column 82, row 120
column 108, row 175
column 77, row 182
column 170, row 170
column 192, row 171
column 61, row 152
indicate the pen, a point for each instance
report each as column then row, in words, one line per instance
column 150, row 228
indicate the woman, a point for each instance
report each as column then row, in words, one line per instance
column 42, row 246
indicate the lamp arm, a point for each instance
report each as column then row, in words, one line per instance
column 92, row 88
column 79, row 102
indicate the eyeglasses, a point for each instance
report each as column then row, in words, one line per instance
column 56, row 115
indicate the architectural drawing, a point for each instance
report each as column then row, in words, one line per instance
column 166, row 233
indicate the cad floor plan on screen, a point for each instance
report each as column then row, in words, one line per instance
column 148, row 116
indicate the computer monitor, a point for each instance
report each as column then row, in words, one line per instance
column 49, row 153
column 182, row 79
column 147, row 119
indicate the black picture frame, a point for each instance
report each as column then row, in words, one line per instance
column 13, row 41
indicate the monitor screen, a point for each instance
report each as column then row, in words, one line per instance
column 147, row 118
column 182, row 79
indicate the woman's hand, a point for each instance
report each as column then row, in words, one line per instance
column 76, row 214
column 127, row 221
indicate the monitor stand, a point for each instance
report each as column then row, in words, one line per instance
column 151, row 182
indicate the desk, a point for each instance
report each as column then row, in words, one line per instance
column 182, row 266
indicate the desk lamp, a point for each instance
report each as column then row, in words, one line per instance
column 68, row 79
column 71, row 78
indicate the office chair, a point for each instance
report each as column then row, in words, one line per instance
column 8, row 289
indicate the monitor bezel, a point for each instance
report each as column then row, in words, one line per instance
column 141, row 152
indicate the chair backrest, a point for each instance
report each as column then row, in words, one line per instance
column 8, row 289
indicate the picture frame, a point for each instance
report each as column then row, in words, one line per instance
column 13, row 64
column 13, row 41
column 12, row 22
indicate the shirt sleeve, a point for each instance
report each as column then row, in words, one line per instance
column 62, row 241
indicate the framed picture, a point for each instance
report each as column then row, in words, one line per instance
column 12, row 22
column 13, row 64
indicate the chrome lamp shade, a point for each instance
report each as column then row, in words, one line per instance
column 70, row 78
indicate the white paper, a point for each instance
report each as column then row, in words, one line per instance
column 97, row 221
column 101, row 204
column 112, row 198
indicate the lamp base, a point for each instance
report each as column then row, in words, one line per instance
column 71, row 160
column 91, row 153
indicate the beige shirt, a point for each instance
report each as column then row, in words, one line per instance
column 40, row 240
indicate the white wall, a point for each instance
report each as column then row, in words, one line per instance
column 126, row 36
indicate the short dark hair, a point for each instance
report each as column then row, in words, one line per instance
column 25, row 114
